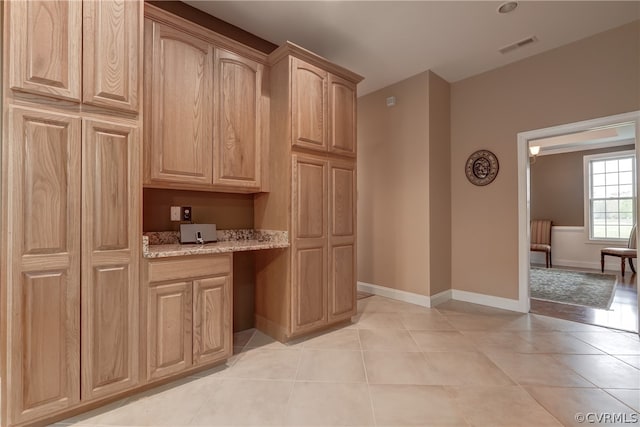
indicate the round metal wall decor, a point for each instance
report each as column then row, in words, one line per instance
column 482, row 167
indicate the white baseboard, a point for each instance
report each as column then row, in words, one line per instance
column 488, row 300
column 383, row 291
column 439, row 298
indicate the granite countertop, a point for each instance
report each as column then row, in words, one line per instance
column 167, row 243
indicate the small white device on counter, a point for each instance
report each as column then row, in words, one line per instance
column 198, row 233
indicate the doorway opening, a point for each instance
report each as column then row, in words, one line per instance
column 582, row 243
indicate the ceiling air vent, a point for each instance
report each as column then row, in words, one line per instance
column 518, row 44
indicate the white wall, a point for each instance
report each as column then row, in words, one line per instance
column 570, row 248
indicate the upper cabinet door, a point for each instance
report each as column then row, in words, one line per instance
column 112, row 53
column 309, row 105
column 237, row 147
column 179, row 102
column 45, row 47
column 342, row 116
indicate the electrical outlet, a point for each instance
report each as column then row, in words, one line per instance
column 175, row 213
column 185, row 213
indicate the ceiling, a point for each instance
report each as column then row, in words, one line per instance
column 388, row 41
column 599, row 137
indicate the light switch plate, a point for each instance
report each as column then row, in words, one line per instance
column 189, row 233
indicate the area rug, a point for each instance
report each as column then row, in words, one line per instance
column 572, row 287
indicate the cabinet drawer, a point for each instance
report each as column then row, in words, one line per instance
column 188, row 267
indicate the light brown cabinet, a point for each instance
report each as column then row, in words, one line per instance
column 189, row 321
column 313, row 196
column 179, row 70
column 43, row 263
column 204, row 111
column 60, row 43
column 110, row 241
column 71, row 190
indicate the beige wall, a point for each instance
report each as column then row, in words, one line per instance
column 404, row 209
column 557, row 186
column 393, row 182
column 440, row 185
column 593, row 77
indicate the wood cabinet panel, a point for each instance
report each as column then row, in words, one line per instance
column 44, row 262
column 342, row 199
column 110, row 257
column 186, row 267
column 310, row 290
column 342, row 116
column 112, row 54
column 212, row 313
column 169, row 329
column 342, row 282
column 237, row 145
column 310, row 197
column 179, row 132
column 45, row 49
column 309, row 105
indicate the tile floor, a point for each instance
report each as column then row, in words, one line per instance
column 400, row 364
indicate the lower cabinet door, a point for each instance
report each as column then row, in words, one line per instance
column 169, row 329
column 342, row 282
column 212, row 339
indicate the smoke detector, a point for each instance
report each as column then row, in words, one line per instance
column 518, row 44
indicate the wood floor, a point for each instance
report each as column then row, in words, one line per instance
column 623, row 313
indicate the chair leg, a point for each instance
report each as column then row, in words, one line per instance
column 602, row 262
column 631, row 265
column 622, row 265
column 546, row 259
column 550, row 261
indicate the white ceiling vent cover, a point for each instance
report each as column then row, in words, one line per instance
column 518, row 44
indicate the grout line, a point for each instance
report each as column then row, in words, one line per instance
column 366, row 377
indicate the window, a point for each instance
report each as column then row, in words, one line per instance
column 610, row 189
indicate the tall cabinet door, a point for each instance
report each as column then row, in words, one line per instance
column 179, row 125
column 309, row 245
column 237, row 143
column 342, row 240
column 45, row 47
column 110, row 257
column 112, row 53
column 44, row 263
column 342, row 116
column 212, row 314
column 308, row 105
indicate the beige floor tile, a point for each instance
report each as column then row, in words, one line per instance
column 562, row 325
column 603, row 370
column 630, row 360
column 567, row 404
column 558, row 343
column 504, row 341
column 463, row 368
column 526, row 322
column 442, row 341
column 264, row 341
column 414, row 405
column 537, row 369
column 233, row 402
column 631, row 398
column 610, row 342
column 430, row 321
column 331, row 365
column 240, row 339
column 93, row 417
column 339, row 339
column 477, row 322
column 171, row 406
column 389, row 367
column 453, row 307
column 329, row 404
column 387, row 340
column 506, row 406
column 379, row 321
column 259, row 363
column 385, row 305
